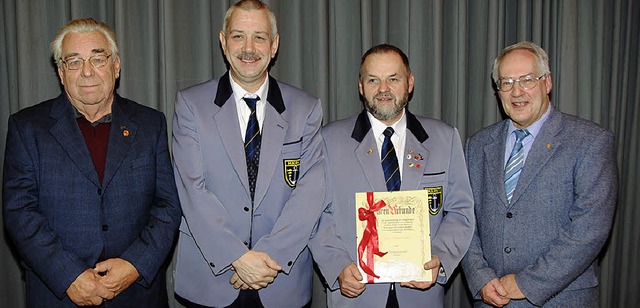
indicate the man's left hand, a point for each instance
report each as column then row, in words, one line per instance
column 510, row 284
column 434, row 266
column 119, row 274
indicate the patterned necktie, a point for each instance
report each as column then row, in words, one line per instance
column 514, row 164
column 390, row 162
column 252, row 140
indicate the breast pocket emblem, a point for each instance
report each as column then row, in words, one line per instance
column 291, row 171
column 435, row 199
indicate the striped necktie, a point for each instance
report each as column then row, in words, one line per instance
column 252, row 141
column 390, row 162
column 514, row 164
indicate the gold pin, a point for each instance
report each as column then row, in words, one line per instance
column 125, row 133
column 370, row 151
column 410, row 165
column 548, row 145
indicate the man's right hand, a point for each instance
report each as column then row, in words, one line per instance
column 349, row 281
column 493, row 293
column 256, row 269
column 87, row 290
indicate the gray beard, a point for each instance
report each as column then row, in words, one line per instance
column 385, row 114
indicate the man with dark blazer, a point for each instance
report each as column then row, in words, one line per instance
column 89, row 197
column 545, row 187
column 429, row 156
column 248, row 209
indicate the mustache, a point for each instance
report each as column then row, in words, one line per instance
column 249, row 56
column 386, row 95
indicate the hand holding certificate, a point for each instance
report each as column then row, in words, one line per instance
column 393, row 236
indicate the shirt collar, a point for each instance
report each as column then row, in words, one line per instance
column 107, row 118
column 399, row 127
column 239, row 92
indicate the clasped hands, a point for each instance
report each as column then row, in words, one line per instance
column 350, row 277
column 499, row 292
column 104, row 282
column 254, row 270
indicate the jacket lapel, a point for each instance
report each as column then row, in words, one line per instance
column 367, row 153
column 414, row 168
column 274, row 129
column 122, row 134
column 226, row 120
column 544, row 146
column 68, row 135
column 495, row 167
column 273, row 132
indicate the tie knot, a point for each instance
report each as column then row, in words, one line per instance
column 521, row 134
column 251, row 102
column 388, row 132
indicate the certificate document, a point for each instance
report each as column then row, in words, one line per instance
column 393, row 236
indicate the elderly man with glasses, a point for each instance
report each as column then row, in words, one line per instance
column 545, row 186
column 89, row 197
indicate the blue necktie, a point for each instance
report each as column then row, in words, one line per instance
column 390, row 162
column 514, row 164
column 252, row 140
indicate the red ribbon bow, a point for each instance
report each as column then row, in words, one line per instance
column 369, row 236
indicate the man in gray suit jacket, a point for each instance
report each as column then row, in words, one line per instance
column 249, row 208
column 429, row 156
column 545, row 186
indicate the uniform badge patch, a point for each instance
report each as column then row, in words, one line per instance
column 435, row 199
column 291, row 171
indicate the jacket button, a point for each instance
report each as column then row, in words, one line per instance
column 105, row 227
column 99, row 191
column 507, row 249
column 509, row 215
column 246, row 209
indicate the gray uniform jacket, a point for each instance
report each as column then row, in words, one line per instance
column 436, row 162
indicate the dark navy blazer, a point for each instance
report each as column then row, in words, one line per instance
column 60, row 216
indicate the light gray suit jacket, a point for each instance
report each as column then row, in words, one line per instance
column 211, row 176
column 560, row 214
column 352, row 168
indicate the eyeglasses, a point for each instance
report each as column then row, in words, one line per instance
column 527, row 82
column 77, row 63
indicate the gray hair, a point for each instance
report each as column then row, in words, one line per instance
column 82, row 25
column 250, row 5
column 542, row 60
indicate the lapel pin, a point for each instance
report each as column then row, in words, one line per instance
column 370, row 151
column 410, row 151
column 418, row 166
column 410, row 165
column 408, row 156
column 125, row 131
column 548, row 145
